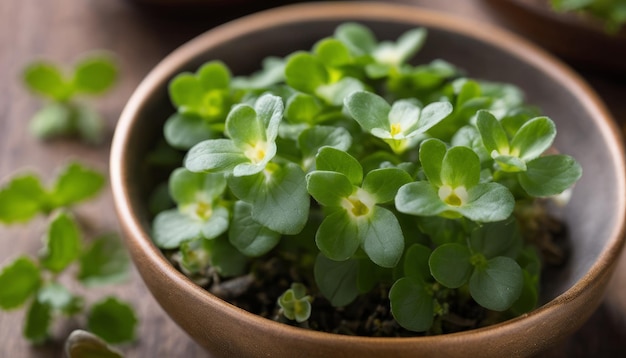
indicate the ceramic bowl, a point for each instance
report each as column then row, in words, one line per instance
column 580, row 40
column 595, row 215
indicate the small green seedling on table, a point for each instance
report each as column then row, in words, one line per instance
column 65, row 115
column 36, row 281
column 365, row 173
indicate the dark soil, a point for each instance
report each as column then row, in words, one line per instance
column 370, row 314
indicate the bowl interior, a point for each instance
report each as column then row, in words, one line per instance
column 596, row 207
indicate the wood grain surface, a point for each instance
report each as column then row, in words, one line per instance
column 63, row 30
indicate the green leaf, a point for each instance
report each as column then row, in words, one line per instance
column 368, row 109
column 450, row 265
column 359, row 39
column 279, row 197
column 46, row 79
column 496, row 239
column 431, row 115
column 63, row 243
column 186, row 92
column 247, row 235
column 188, row 187
column 460, row 167
column 384, row 183
column 214, row 75
column 225, row 258
column 382, row 237
column 214, row 155
column 550, row 175
column 406, row 46
column 369, row 275
column 419, row 198
column 244, row 127
column 493, row 135
column 59, row 299
column 498, row 285
column 302, row 108
column 488, row 202
column 311, row 140
column 338, row 236
column 53, row 120
column 104, row 261
column 112, row 320
column 38, row 319
column 19, row 281
column 21, row 199
column 217, row 223
column 416, row 263
column 328, row 188
column 533, row 138
column 530, row 294
column 335, row 160
column 432, row 152
column 269, row 110
column 183, row 131
column 295, row 304
column 336, row 280
column 467, row 90
column 442, row 230
column 468, row 136
column 171, row 228
column 305, row 72
column 335, row 93
column 332, row 52
column 510, row 164
column 95, row 74
column 411, row 305
column 90, row 126
column 76, row 183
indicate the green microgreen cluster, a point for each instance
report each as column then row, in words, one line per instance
column 36, row 281
column 295, row 304
column 65, row 115
column 611, row 12
column 365, row 171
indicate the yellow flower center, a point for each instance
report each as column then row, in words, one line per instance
column 204, row 210
column 213, row 102
column 453, row 196
column 358, row 208
column 395, row 129
column 359, row 203
column 257, row 153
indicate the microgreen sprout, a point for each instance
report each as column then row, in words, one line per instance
column 366, row 174
column 36, row 282
column 199, row 212
column 24, row 196
column 453, row 188
column 398, row 123
column 356, row 221
column 539, row 175
column 295, row 304
column 65, row 115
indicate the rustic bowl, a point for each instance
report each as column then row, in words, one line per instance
column 595, row 215
column 581, row 40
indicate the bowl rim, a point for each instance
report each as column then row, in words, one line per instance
column 403, row 13
column 568, row 18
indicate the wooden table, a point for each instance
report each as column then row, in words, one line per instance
column 62, row 30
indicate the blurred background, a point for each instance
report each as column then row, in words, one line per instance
column 140, row 33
